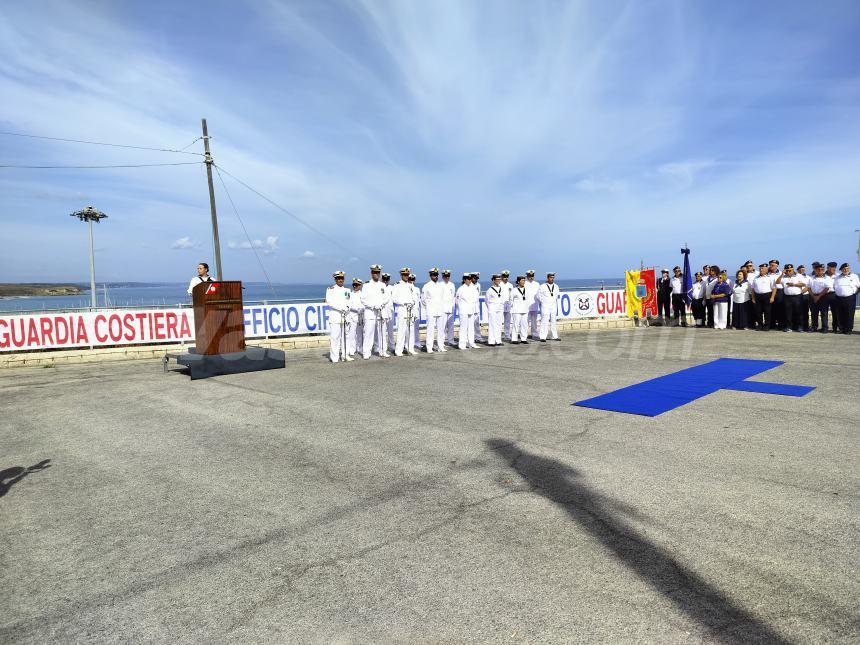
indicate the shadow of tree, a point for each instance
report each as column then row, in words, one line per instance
column 11, row 476
column 704, row 603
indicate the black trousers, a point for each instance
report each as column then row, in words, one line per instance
column 819, row 309
column 777, row 311
column 762, row 312
column 739, row 315
column 698, row 307
column 662, row 306
column 846, row 306
column 709, row 313
column 750, row 314
column 791, row 319
column 679, row 309
column 804, row 311
column 830, row 299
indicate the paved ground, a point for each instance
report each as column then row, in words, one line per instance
column 450, row 498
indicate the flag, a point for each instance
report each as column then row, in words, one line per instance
column 641, row 292
column 688, row 277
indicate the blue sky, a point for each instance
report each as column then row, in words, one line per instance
column 574, row 136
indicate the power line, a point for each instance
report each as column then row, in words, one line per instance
column 250, row 242
column 102, row 143
column 137, row 165
column 290, row 214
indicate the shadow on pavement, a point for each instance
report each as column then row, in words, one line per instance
column 11, row 476
column 702, row 602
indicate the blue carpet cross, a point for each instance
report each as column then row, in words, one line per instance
column 665, row 393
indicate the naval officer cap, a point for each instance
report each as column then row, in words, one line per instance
column 411, row 277
column 520, row 277
column 665, row 271
column 404, row 271
column 844, row 265
column 434, row 271
column 497, row 276
column 446, row 272
column 357, row 282
column 762, row 265
column 831, row 264
column 816, row 264
column 676, row 269
column 375, row 268
column 506, row 273
column 385, row 276
column 788, row 265
column 551, row 274
column 774, row 262
column 338, row 274
column 530, row 272
column 467, row 275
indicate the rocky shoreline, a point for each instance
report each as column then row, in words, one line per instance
column 39, row 289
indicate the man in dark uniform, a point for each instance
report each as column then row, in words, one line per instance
column 679, row 305
column 664, row 295
column 777, row 308
column 804, row 298
column 830, row 299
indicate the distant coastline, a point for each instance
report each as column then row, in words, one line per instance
column 38, row 289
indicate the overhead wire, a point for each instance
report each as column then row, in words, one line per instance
column 250, row 241
column 290, row 214
column 137, row 165
column 103, row 143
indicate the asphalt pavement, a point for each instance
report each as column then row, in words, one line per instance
column 453, row 497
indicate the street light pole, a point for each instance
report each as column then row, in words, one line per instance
column 89, row 215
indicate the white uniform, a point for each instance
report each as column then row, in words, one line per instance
column 337, row 299
column 373, row 297
column 407, row 309
column 449, row 300
column 355, row 324
column 495, row 299
column 763, row 284
column 197, row 280
column 532, row 288
column 519, row 306
column 388, row 319
column 478, row 336
column 548, row 297
column 416, row 317
column 508, row 289
column 846, row 285
column 433, row 300
column 467, row 305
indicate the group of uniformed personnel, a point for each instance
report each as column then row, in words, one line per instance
column 362, row 321
column 770, row 298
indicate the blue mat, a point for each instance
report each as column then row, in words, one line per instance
column 671, row 391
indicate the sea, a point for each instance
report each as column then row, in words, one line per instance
column 172, row 294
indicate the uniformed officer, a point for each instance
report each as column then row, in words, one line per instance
column 792, row 290
column 830, row 298
column 407, row 309
column 679, row 306
column 416, row 312
column 387, row 314
column 519, row 312
column 495, row 299
column 337, row 299
column 533, row 286
column 433, row 301
column 711, row 278
column 374, row 295
column 448, row 306
column 355, row 321
column 804, row 297
column 697, row 300
column 507, row 290
column 664, row 295
column 762, row 294
column 202, row 276
column 548, row 296
column 476, row 284
column 819, row 287
column 777, row 309
column 467, row 307
column 846, row 286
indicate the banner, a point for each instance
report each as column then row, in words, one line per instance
column 641, row 289
column 110, row 327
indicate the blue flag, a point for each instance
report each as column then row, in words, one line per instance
column 688, row 277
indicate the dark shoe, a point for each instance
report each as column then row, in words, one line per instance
column 543, row 340
column 524, row 342
column 558, row 339
column 515, row 342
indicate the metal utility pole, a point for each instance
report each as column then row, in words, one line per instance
column 91, row 214
column 216, row 243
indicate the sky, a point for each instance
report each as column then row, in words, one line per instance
column 579, row 137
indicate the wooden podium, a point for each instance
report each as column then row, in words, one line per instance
column 219, row 323
column 219, row 326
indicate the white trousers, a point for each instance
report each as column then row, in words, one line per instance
column 389, row 330
column 477, row 318
column 354, row 333
column 721, row 311
column 405, row 333
column 373, row 328
column 533, row 324
column 436, row 331
column 337, row 332
column 449, row 327
column 548, row 323
column 494, row 326
column 467, row 331
column 519, row 327
column 506, row 324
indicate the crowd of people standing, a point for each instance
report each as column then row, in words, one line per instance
column 766, row 299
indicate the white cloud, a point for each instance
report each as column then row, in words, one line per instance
column 268, row 246
column 684, row 173
column 308, row 254
column 184, row 243
column 600, row 185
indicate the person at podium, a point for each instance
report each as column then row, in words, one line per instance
column 202, row 276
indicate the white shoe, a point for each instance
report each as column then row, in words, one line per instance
column 385, row 355
column 412, row 352
column 442, row 349
column 429, row 351
column 474, row 346
column 398, row 353
column 365, row 356
column 348, row 359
